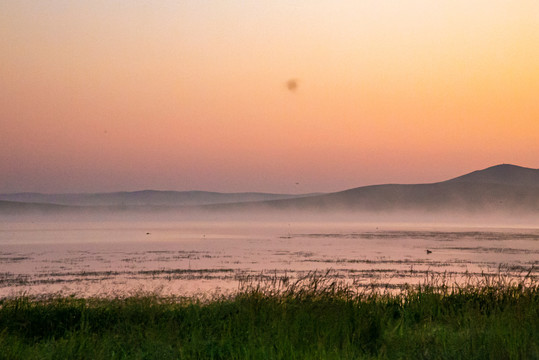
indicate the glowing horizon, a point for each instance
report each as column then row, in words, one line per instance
column 195, row 95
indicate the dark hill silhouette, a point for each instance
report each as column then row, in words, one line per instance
column 502, row 174
column 473, row 197
column 144, row 198
column 15, row 207
column 502, row 189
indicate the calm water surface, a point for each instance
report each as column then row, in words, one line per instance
column 193, row 258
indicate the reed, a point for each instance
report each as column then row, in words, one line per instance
column 317, row 316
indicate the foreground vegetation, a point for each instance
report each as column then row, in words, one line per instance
column 312, row 318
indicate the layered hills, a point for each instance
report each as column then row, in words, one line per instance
column 144, row 198
column 498, row 188
column 502, row 189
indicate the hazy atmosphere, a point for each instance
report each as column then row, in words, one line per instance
column 280, row 96
column 226, row 179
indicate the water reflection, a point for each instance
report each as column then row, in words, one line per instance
column 95, row 259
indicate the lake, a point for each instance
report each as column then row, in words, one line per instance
column 187, row 258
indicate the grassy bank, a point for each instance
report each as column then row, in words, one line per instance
column 316, row 317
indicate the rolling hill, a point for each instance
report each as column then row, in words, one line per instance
column 505, row 174
column 16, row 208
column 503, row 189
column 144, row 198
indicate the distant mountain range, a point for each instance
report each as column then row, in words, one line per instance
column 503, row 188
column 505, row 174
column 145, row 198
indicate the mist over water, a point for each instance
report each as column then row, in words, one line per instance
column 187, row 243
column 173, row 255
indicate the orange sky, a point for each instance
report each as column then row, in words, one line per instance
column 182, row 95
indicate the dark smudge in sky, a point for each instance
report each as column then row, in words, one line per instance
column 292, row 85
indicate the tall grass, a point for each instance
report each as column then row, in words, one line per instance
column 314, row 317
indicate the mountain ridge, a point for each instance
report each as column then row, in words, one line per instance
column 507, row 174
column 474, row 192
column 501, row 188
column 144, row 198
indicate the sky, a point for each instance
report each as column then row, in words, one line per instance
column 271, row 96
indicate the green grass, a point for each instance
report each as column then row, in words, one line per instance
column 317, row 317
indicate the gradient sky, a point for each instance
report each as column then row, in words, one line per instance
column 101, row 95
